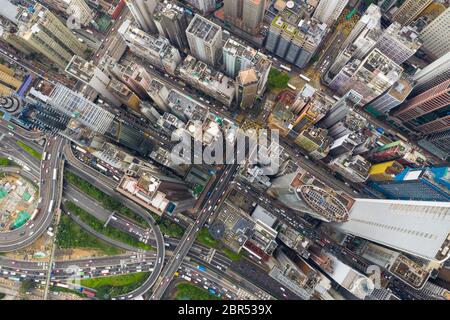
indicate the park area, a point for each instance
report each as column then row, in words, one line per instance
column 18, row 200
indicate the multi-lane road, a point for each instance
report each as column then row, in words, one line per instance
column 49, row 190
column 191, row 233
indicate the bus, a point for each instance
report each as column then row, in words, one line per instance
column 285, row 68
column 201, row 268
column 292, row 87
column 35, row 212
column 336, row 97
column 54, row 174
column 305, row 77
column 101, row 167
column 80, row 149
column 50, row 207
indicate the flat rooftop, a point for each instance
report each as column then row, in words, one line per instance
column 203, row 28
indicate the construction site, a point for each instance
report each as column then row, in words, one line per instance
column 18, row 201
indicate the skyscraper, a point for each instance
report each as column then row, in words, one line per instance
column 434, row 34
column 143, row 13
column 303, row 193
column 205, row 39
column 245, row 14
column 393, row 97
column 370, row 77
column 80, row 7
column 329, row 10
column 246, row 88
column 369, row 21
column 420, row 228
column 295, row 37
column 432, row 75
column 429, row 111
column 398, row 43
column 156, row 50
column 409, row 11
column 171, row 21
column 238, row 57
column 42, row 31
column 86, row 112
column 341, row 108
column 205, row 6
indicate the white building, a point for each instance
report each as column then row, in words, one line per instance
column 433, row 74
column 421, row 228
column 156, row 50
column 205, row 39
column 74, row 105
column 329, row 10
column 204, row 6
column 437, row 34
column 142, row 11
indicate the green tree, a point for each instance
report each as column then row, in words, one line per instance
column 27, row 285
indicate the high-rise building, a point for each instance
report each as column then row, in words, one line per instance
column 143, row 13
column 427, row 184
column 42, row 31
column 295, row 37
column 158, row 51
column 428, row 112
column 245, row 14
column 205, row 39
column 420, row 228
column 171, row 21
column 81, row 109
column 303, row 193
column 93, row 76
column 437, row 143
column 434, row 33
column 356, row 283
column 396, row 42
column 341, row 108
column 310, row 105
column 409, row 11
column 246, row 88
column 399, row 151
column 399, row 43
column 82, row 10
column 369, row 77
column 433, row 74
column 352, row 167
column 156, row 191
column 208, row 80
column 369, row 21
column 393, row 97
column 205, row 6
column 238, row 57
column 328, row 11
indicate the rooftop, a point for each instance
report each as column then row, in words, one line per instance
column 203, row 28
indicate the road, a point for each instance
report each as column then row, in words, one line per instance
column 191, row 233
column 49, row 189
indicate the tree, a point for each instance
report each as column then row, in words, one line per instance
column 27, row 285
column 277, row 79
